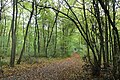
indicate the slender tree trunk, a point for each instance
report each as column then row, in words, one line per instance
column 5, row 50
column 38, row 33
column 87, row 31
column 38, row 42
column 35, row 36
column 106, row 40
column 111, row 42
column 115, row 44
column 1, row 6
column 44, row 38
column 50, row 36
column 38, row 37
column 110, row 20
column 55, row 40
column 47, row 41
column 114, row 55
column 63, row 38
column 23, row 22
column 25, row 37
column 12, row 58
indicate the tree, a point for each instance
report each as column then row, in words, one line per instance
column 23, row 48
column 13, row 27
column 95, row 41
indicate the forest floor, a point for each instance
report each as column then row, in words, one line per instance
column 46, row 69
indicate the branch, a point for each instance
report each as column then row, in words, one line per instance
column 24, row 7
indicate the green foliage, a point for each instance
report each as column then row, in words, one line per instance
column 27, row 5
column 2, row 63
column 64, row 36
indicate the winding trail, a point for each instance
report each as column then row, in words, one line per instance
column 67, row 69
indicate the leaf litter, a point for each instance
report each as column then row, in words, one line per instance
column 47, row 69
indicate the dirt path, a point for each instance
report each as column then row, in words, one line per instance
column 67, row 69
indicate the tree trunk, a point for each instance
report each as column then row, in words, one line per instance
column 50, row 36
column 55, row 39
column 87, row 31
column 13, row 49
column 25, row 37
column 35, row 45
column 1, row 6
column 38, row 33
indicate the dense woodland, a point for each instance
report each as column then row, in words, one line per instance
column 34, row 29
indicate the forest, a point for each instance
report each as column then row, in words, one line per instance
column 59, row 40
